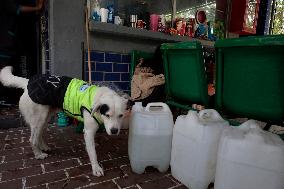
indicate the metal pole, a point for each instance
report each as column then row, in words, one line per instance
column 88, row 44
column 228, row 17
column 174, row 6
column 272, row 16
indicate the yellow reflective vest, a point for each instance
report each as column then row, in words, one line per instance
column 78, row 96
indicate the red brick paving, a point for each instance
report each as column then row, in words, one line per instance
column 104, row 185
column 74, row 182
column 20, row 173
column 160, row 183
column 41, row 179
column 68, row 164
column 12, row 184
column 10, row 166
column 61, row 165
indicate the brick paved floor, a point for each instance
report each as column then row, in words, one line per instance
column 68, row 165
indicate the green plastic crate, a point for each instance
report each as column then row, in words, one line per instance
column 185, row 75
column 250, row 77
column 135, row 56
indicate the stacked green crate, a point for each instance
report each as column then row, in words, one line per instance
column 135, row 57
column 250, row 77
column 186, row 82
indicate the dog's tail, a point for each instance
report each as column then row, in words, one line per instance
column 10, row 80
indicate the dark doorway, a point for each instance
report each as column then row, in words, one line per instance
column 28, row 42
column 26, row 60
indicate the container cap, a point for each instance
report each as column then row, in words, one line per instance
column 275, row 40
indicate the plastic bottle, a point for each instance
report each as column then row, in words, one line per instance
column 250, row 158
column 195, row 146
column 150, row 137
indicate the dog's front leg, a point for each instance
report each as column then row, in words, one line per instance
column 90, row 128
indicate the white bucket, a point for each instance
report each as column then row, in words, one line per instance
column 195, row 146
column 250, row 158
column 150, row 137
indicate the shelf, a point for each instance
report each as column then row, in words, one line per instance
column 112, row 29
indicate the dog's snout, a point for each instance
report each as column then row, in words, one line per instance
column 114, row 131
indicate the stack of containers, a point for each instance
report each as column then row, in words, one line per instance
column 250, row 158
column 150, row 137
column 195, row 146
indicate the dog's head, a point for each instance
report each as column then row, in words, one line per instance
column 111, row 108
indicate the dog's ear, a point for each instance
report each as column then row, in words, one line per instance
column 130, row 103
column 126, row 96
column 97, row 103
column 103, row 109
column 123, row 94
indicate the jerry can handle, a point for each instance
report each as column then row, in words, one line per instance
column 249, row 124
column 164, row 106
column 210, row 115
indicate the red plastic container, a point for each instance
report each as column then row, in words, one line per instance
column 244, row 16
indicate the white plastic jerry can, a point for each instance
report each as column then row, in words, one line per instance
column 250, row 158
column 150, row 137
column 195, row 146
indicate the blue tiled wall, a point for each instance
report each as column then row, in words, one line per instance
column 110, row 67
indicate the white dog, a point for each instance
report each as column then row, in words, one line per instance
column 88, row 103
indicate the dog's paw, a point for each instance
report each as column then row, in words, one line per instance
column 45, row 148
column 41, row 156
column 98, row 171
